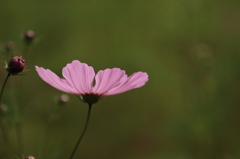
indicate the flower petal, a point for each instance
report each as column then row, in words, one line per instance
column 136, row 80
column 79, row 75
column 108, row 79
column 52, row 79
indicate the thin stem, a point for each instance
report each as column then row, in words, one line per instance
column 7, row 147
column 18, row 127
column 25, row 49
column 4, row 84
column 83, row 132
column 47, row 139
column 1, row 124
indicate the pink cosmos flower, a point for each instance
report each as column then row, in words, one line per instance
column 81, row 80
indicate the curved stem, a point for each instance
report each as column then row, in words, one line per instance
column 4, row 84
column 83, row 132
column 1, row 124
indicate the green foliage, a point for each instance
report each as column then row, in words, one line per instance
column 189, row 109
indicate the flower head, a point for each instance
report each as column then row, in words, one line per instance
column 16, row 65
column 81, row 80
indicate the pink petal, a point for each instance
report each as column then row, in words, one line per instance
column 136, row 80
column 79, row 75
column 51, row 78
column 108, row 79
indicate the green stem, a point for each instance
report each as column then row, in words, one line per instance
column 4, row 84
column 46, row 142
column 1, row 124
column 7, row 146
column 25, row 49
column 18, row 127
column 83, row 132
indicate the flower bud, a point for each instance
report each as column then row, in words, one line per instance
column 63, row 99
column 30, row 157
column 16, row 65
column 29, row 36
column 9, row 46
column 3, row 108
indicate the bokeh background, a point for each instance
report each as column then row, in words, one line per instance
column 189, row 108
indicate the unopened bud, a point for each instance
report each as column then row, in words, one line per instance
column 3, row 108
column 30, row 157
column 16, row 65
column 29, row 36
column 9, row 46
column 63, row 98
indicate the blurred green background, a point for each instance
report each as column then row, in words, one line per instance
column 189, row 108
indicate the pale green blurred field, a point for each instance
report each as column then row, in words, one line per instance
column 189, row 109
